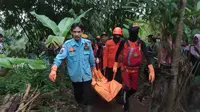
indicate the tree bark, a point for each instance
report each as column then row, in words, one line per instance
column 62, row 77
column 176, row 58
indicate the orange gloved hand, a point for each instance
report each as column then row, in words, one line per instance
column 52, row 75
column 115, row 66
column 152, row 73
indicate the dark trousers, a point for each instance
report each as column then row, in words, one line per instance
column 126, row 95
column 109, row 74
column 83, row 92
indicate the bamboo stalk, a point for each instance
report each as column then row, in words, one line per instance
column 24, row 106
column 34, row 92
column 28, row 86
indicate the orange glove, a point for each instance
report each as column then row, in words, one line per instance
column 52, row 75
column 115, row 67
column 152, row 73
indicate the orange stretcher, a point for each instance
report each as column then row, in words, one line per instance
column 107, row 90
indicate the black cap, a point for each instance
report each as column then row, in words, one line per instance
column 104, row 34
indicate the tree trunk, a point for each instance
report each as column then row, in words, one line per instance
column 176, row 58
column 62, row 77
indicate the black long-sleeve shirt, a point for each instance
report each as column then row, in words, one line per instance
column 99, row 50
column 143, row 47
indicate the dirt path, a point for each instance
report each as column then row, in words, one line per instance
column 103, row 106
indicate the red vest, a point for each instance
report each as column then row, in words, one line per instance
column 131, row 54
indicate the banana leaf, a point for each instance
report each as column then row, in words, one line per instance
column 198, row 6
column 82, row 15
column 7, row 62
column 65, row 25
column 125, row 32
column 55, row 40
column 47, row 22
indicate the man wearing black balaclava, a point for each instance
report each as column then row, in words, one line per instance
column 131, row 59
column 133, row 33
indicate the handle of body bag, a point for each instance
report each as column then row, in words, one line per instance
column 114, row 74
column 97, row 65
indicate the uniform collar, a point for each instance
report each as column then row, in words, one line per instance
column 74, row 42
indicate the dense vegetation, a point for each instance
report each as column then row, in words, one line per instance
column 25, row 35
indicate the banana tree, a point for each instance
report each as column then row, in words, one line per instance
column 61, row 31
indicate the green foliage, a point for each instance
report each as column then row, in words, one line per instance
column 10, row 62
column 14, row 42
column 198, row 6
column 47, row 22
column 145, row 28
column 56, row 41
column 61, row 30
column 103, row 18
column 19, row 76
column 125, row 32
column 65, row 25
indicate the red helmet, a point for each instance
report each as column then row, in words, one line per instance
column 117, row 31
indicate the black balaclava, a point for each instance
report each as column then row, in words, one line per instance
column 116, row 39
column 133, row 33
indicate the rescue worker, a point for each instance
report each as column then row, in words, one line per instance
column 98, row 40
column 104, row 38
column 94, row 47
column 109, row 55
column 152, row 49
column 80, row 59
column 130, row 51
column 99, row 60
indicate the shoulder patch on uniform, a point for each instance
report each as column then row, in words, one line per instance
column 86, row 40
column 62, row 49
